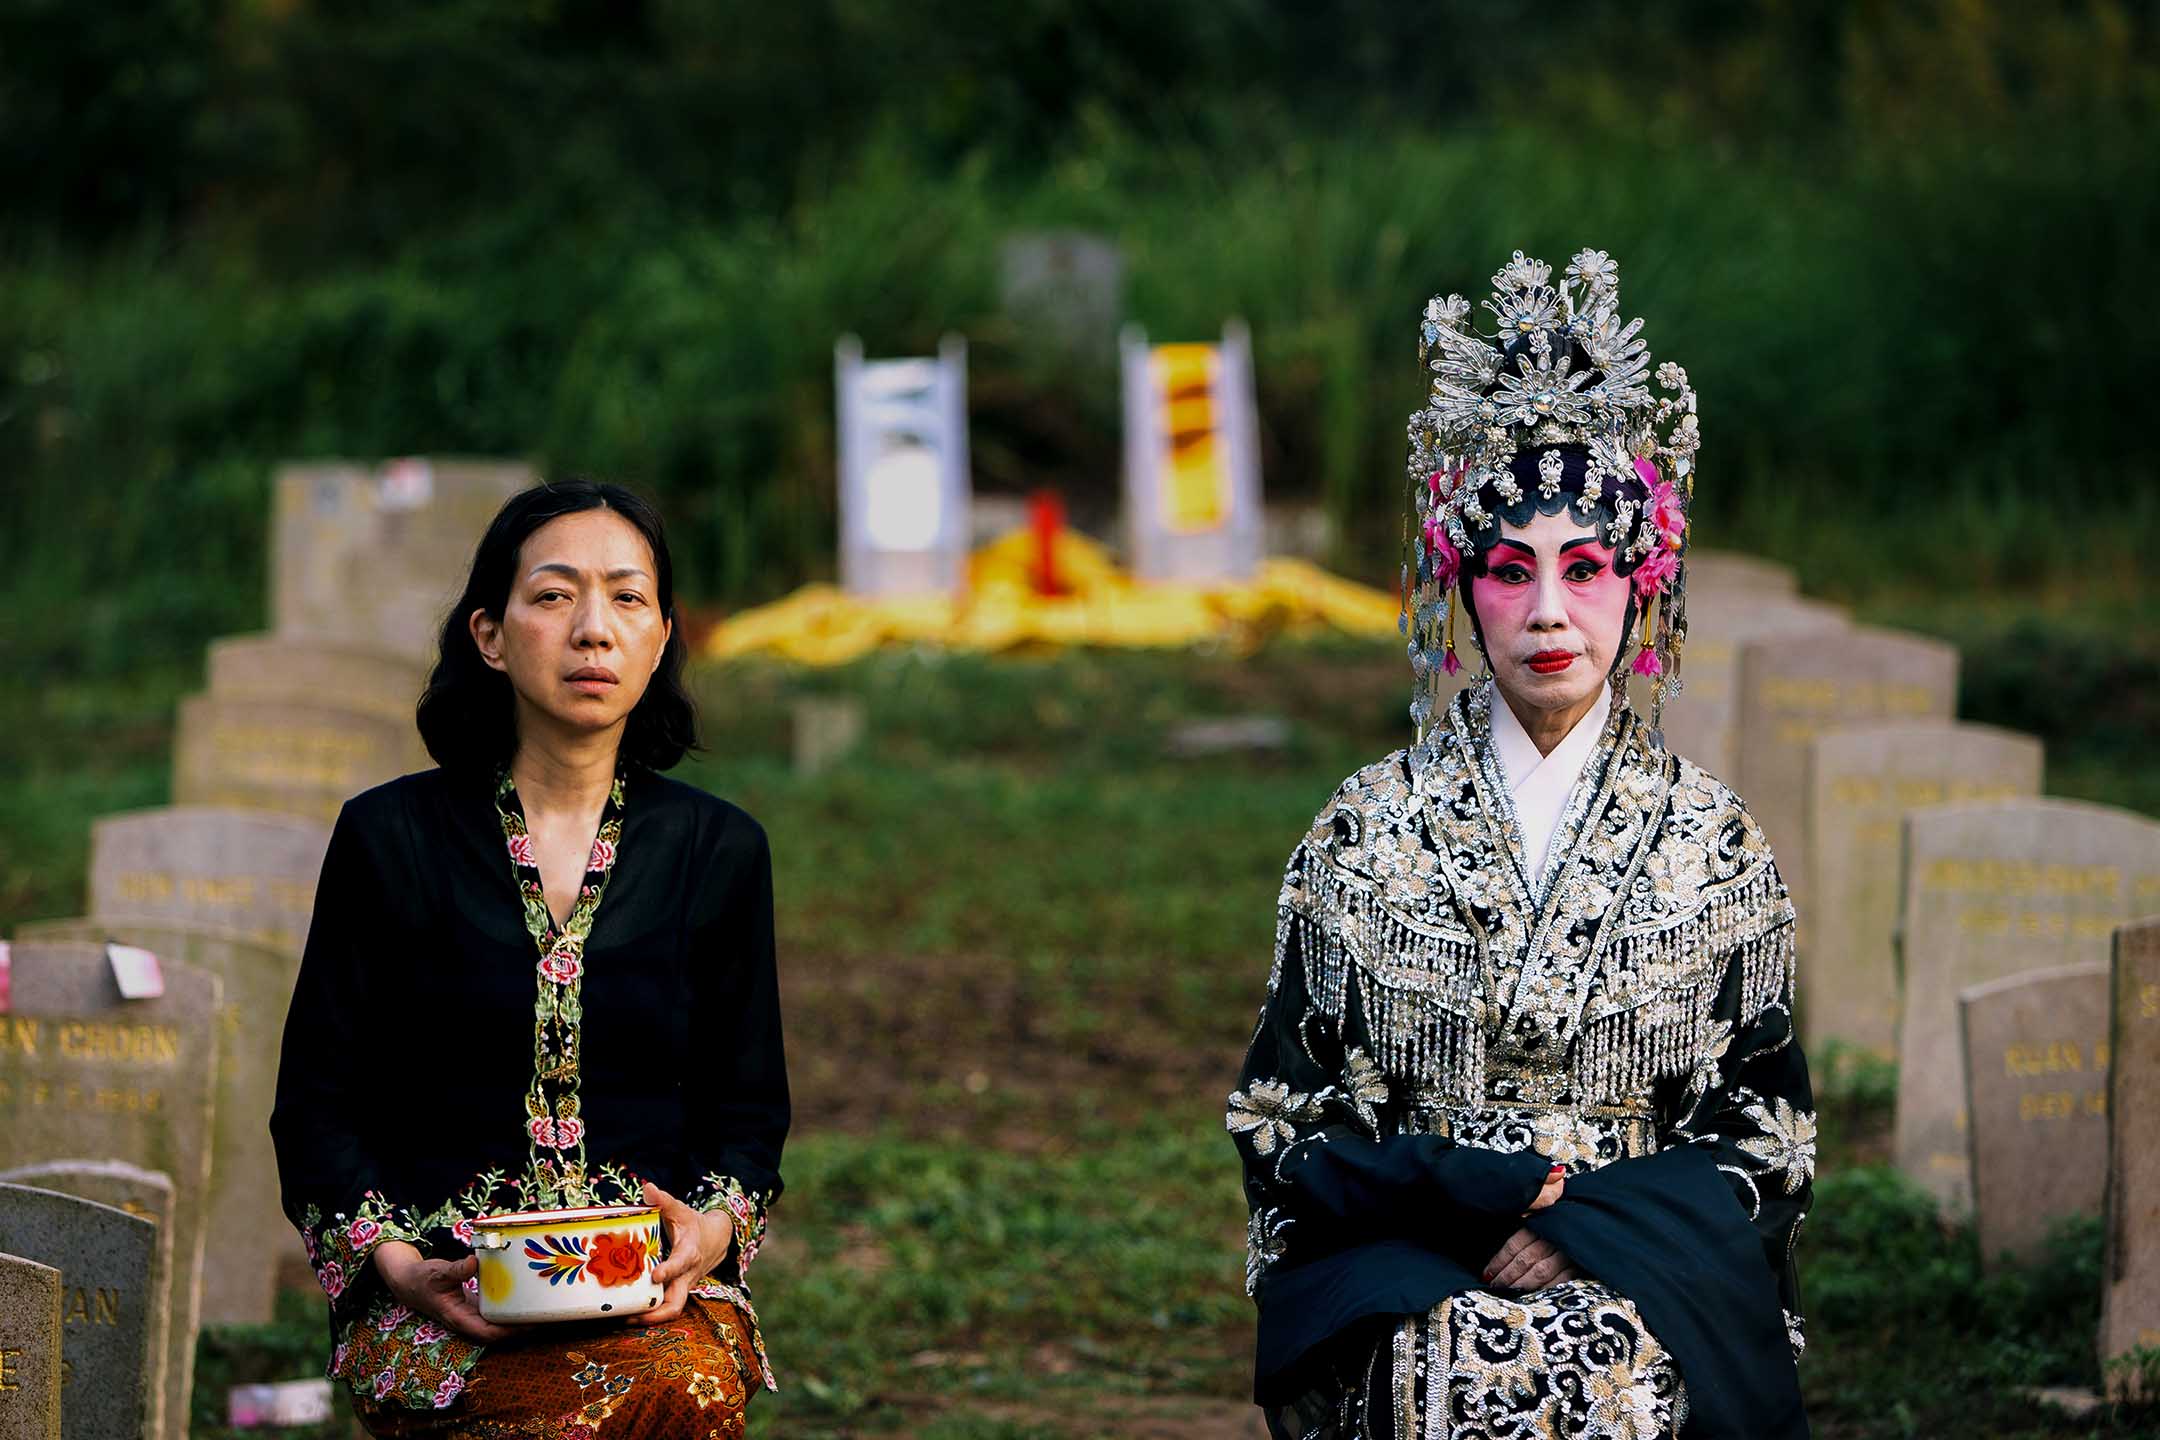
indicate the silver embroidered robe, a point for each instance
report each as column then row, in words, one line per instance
column 1437, row 1033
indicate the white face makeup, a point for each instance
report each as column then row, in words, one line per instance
column 1553, row 615
column 582, row 633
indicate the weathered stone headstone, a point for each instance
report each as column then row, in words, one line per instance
column 83, row 1071
column 374, row 557
column 297, row 670
column 2130, row 1270
column 827, row 730
column 1992, row 890
column 904, row 481
column 249, row 873
column 1796, row 687
column 147, row 1195
column 1730, row 572
column 1861, row 781
column 248, row 1232
column 2036, row 1060
column 29, row 1350
column 105, row 1257
column 1192, row 458
column 1701, row 721
column 294, row 759
column 1065, row 288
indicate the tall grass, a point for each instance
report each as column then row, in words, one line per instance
column 1917, row 365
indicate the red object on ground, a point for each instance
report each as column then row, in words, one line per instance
column 1046, row 516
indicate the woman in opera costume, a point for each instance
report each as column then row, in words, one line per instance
column 541, row 976
column 1526, row 1132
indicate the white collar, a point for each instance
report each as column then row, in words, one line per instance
column 1540, row 783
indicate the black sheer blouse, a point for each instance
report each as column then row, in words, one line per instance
column 432, row 1046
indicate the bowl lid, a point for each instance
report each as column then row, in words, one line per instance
column 561, row 1217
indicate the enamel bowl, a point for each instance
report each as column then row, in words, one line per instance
column 588, row 1264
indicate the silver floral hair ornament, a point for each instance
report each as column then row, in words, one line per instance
column 1558, row 368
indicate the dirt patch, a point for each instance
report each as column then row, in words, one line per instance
column 963, row 1048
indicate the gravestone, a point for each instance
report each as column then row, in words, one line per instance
column 1192, row 459
column 295, row 670
column 1066, row 288
column 249, row 873
column 292, row 759
column 1798, row 686
column 83, row 1071
column 105, row 1257
column 1729, row 572
column 904, row 486
column 827, row 730
column 2130, row 1270
column 1861, row 781
column 29, row 1350
column 1992, row 890
column 374, row 557
column 1701, row 721
column 248, row 1234
column 147, row 1195
column 2036, row 1060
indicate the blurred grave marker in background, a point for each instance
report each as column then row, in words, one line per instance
column 1993, row 890
column 290, row 758
column 105, row 1257
column 29, row 1350
column 1861, row 781
column 1701, row 722
column 248, row 873
column 828, row 728
column 147, row 1195
column 284, row 669
column 248, row 1239
column 1796, row 686
column 2130, row 1271
column 374, row 558
column 1064, row 289
column 904, row 480
column 2036, row 1060
column 84, row 1072
column 1192, row 459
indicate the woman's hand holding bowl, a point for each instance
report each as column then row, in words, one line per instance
column 697, row 1242
column 436, row 1289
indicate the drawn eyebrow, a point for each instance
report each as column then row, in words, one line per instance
column 1516, row 545
column 1580, row 540
column 557, row 567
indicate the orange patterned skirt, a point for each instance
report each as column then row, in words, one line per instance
column 686, row 1380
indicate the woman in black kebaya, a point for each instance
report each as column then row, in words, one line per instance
column 541, row 976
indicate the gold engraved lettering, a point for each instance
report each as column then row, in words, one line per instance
column 85, row 1306
column 2022, row 877
column 219, row 891
column 2148, row 1001
column 20, row 1033
column 2047, row 1105
column 132, row 1044
column 143, row 885
column 8, row 1356
column 1857, row 790
column 2049, row 1059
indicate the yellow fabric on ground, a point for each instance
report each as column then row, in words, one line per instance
column 1101, row 606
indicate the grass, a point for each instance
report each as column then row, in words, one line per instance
column 1023, row 946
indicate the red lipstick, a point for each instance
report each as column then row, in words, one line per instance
column 1551, row 662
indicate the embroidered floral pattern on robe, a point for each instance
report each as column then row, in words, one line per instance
column 1640, row 999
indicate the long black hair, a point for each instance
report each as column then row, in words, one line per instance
column 468, row 714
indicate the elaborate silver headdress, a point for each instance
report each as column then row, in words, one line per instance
column 1559, row 369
